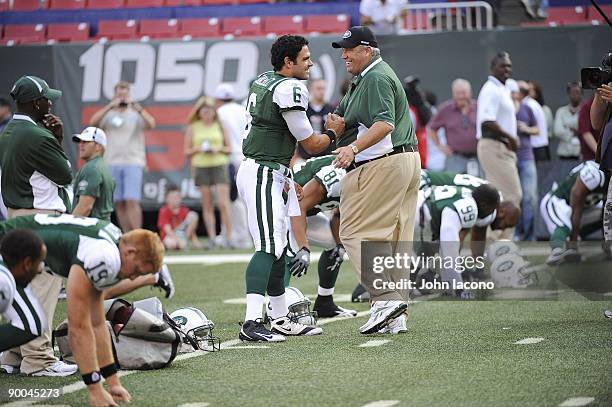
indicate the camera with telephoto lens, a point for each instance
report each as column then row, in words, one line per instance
column 594, row 77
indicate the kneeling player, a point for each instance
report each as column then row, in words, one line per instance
column 320, row 191
column 563, row 206
column 23, row 253
column 93, row 255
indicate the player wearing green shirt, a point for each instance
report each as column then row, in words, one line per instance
column 277, row 120
column 93, row 255
column 562, row 208
column 93, row 184
column 23, row 253
column 320, row 182
column 430, row 178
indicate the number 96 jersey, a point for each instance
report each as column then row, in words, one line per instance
column 323, row 171
column 70, row 240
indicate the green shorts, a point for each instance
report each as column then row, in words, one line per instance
column 207, row 176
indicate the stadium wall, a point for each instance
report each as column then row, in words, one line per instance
column 168, row 77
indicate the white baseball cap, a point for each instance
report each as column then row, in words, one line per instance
column 224, row 91
column 91, row 134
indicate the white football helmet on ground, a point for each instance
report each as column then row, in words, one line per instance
column 499, row 248
column 197, row 328
column 299, row 307
column 510, row 270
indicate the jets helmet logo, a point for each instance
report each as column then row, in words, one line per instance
column 347, row 34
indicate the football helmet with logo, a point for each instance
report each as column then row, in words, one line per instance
column 510, row 270
column 197, row 328
column 499, row 248
column 299, row 307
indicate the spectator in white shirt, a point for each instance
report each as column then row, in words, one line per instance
column 544, row 118
column 496, row 130
column 566, row 124
column 382, row 16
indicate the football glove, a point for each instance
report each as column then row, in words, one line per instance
column 336, row 257
column 300, row 262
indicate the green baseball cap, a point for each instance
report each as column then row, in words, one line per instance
column 29, row 88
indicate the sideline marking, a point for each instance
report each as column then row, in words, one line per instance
column 200, row 404
column 324, row 321
column 382, row 403
column 528, row 341
column 249, row 347
column 216, row 259
column 375, row 342
column 577, row 401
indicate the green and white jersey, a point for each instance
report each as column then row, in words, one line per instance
column 37, row 171
column 323, row 171
column 430, row 178
column 458, row 199
column 90, row 243
column 7, row 287
column 590, row 175
column 95, row 180
column 267, row 136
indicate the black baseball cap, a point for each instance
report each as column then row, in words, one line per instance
column 357, row 35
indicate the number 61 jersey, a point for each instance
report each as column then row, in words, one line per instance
column 267, row 136
column 90, row 243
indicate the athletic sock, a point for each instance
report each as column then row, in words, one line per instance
column 278, row 306
column 325, row 292
column 559, row 236
column 254, row 307
column 258, row 273
column 327, row 278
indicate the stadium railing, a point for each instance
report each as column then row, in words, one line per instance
column 459, row 16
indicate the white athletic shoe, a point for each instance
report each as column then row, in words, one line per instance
column 285, row 326
column 397, row 326
column 9, row 369
column 58, row 368
column 559, row 255
column 382, row 313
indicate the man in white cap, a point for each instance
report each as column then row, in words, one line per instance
column 233, row 118
column 93, row 185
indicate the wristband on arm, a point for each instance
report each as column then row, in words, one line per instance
column 331, row 134
column 92, row 378
column 109, row 370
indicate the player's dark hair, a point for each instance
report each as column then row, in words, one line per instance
column 486, row 197
column 286, row 46
column 19, row 244
column 500, row 55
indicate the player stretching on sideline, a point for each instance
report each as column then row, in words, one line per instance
column 276, row 107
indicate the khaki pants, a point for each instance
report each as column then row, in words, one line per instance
column 499, row 166
column 378, row 203
column 37, row 354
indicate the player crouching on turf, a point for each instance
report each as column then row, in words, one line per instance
column 93, row 255
column 320, row 191
column 22, row 258
column 562, row 209
column 277, row 119
column 448, row 213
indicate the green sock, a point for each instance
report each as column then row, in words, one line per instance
column 258, row 273
column 276, row 282
column 327, row 278
column 559, row 236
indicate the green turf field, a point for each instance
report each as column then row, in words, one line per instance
column 455, row 354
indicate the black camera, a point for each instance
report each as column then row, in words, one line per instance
column 594, row 77
column 123, row 104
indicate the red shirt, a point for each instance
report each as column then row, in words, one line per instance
column 167, row 217
column 584, row 126
column 460, row 128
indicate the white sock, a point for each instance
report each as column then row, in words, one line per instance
column 325, row 291
column 254, row 307
column 278, row 306
column 157, row 277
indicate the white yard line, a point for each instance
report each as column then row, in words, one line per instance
column 577, row 401
column 199, row 404
column 324, row 321
column 374, row 342
column 216, row 259
column 528, row 341
column 382, row 403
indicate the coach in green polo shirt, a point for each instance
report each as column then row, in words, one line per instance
column 94, row 185
column 379, row 150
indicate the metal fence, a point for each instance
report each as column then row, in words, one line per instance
column 436, row 17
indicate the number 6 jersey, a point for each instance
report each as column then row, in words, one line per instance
column 90, row 243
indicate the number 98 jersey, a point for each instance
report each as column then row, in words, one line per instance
column 323, row 171
column 70, row 240
column 458, row 199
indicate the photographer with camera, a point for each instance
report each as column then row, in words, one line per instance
column 124, row 122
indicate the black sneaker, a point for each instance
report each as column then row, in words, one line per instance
column 325, row 307
column 360, row 294
column 165, row 282
column 255, row 331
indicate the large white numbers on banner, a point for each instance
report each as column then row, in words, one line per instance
column 245, row 54
column 171, row 71
column 142, row 55
column 184, row 79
